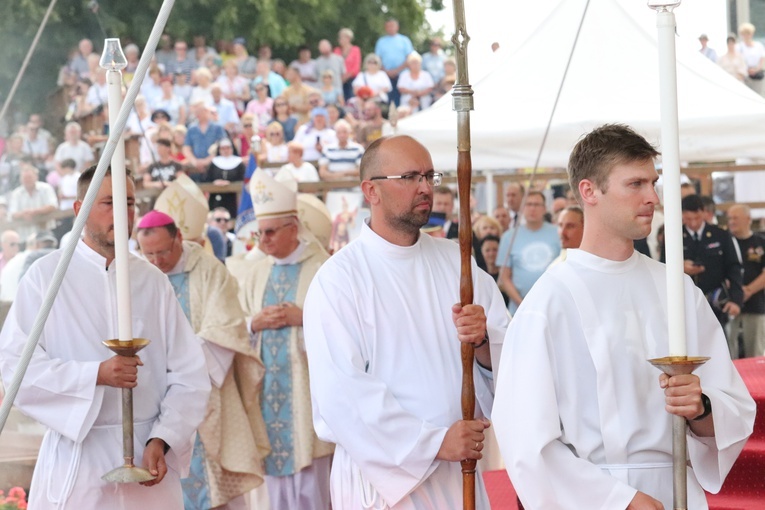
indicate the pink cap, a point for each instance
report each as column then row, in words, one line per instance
column 155, row 219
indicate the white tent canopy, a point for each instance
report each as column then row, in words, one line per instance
column 613, row 77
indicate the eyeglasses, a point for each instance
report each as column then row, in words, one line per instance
column 273, row 135
column 222, row 220
column 269, row 232
column 246, row 125
column 280, row 104
column 432, row 178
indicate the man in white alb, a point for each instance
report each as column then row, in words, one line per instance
column 73, row 384
column 582, row 419
column 383, row 335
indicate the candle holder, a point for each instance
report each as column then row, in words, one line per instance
column 679, row 365
column 128, row 472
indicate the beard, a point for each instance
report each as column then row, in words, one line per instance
column 412, row 221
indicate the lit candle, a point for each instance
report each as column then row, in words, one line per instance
column 113, row 60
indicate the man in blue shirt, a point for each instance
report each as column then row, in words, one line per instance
column 199, row 138
column 393, row 48
column 535, row 246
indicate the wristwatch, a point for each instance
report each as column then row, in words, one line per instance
column 707, row 408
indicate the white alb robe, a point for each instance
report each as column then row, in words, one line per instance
column 579, row 414
column 84, row 421
column 386, row 370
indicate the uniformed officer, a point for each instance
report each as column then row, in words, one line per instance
column 711, row 260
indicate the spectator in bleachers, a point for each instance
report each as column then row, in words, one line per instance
column 132, row 54
column 373, row 126
column 151, row 87
column 171, row 103
column 274, row 81
column 32, row 200
column 73, row 147
column 534, row 248
column 138, row 126
column 705, row 50
column 261, row 106
column 449, row 79
column 165, row 53
column 235, row 87
column 393, row 48
column 351, row 56
column 203, row 89
column 199, row 138
column 9, row 241
column 245, row 63
column 485, row 226
column 754, row 56
column 375, row 78
column 297, row 94
column 10, row 163
column 37, row 143
column 227, row 115
column 503, row 218
column 301, row 170
column 283, row 116
column 330, row 94
column 329, row 61
column 224, row 169
column 732, row 61
column 335, row 113
column 433, row 60
column 98, row 95
column 315, row 135
column 94, row 62
column 279, row 67
column 306, row 66
column 165, row 169
column 243, row 140
column 415, row 85
column 340, row 160
column 354, row 107
column 264, row 53
column 79, row 63
column 274, row 148
column 182, row 61
column 66, row 184
column 178, row 137
column 182, row 88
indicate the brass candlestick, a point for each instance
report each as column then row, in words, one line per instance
column 129, row 472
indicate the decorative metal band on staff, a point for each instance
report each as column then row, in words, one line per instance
column 462, row 103
column 678, row 362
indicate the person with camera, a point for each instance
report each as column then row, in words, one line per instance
column 711, row 261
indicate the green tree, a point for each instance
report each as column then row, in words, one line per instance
column 282, row 24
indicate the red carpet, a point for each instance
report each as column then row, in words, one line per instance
column 744, row 489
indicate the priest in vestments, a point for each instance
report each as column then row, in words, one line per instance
column 581, row 417
column 383, row 337
column 274, row 289
column 73, row 383
column 231, row 444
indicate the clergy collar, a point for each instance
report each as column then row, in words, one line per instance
column 292, row 258
column 92, row 255
column 389, row 249
column 601, row 264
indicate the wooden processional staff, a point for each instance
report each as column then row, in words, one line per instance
column 462, row 103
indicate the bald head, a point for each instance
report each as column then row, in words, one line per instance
column 740, row 221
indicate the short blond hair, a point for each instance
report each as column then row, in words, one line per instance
column 746, row 28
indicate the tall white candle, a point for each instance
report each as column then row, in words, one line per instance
column 119, row 201
column 670, row 149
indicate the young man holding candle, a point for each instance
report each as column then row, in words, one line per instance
column 582, row 419
column 73, row 383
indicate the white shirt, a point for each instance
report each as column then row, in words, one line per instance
column 304, row 173
column 80, row 152
column 308, row 136
column 592, row 430
column 84, row 420
column 378, row 328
